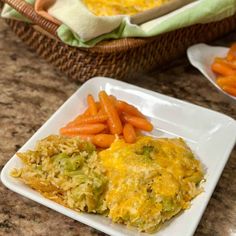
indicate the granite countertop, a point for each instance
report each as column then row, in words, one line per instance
column 32, row 90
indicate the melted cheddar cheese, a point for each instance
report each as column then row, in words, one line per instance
column 149, row 181
column 121, row 7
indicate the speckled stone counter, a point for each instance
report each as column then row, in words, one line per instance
column 32, row 90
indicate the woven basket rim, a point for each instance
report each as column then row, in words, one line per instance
column 106, row 46
column 82, row 65
column 119, row 45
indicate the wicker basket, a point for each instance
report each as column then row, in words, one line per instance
column 115, row 58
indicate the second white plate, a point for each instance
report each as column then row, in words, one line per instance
column 202, row 56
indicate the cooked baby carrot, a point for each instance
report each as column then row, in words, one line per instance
column 227, row 81
column 229, row 90
column 98, row 105
column 103, row 140
column 129, row 109
column 129, row 133
column 114, row 122
column 101, row 112
column 138, row 122
column 103, row 121
column 99, row 118
column 222, row 69
column 91, row 105
column 83, row 129
column 85, row 113
column 231, row 64
column 113, row 98
column 231, row 56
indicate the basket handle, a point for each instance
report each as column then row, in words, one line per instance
column 28, row 11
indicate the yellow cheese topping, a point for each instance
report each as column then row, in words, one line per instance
column 149, row 181
column 121, row 7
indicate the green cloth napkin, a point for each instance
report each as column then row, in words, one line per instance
column 199, row 12
column 9, row 12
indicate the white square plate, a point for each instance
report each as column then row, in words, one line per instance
column 211, row 135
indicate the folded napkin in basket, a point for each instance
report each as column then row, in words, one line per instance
column 83, row 29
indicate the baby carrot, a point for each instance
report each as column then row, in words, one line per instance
column 129, row 109
column 91, row 105
column 83, row 129
column 103, row 140
column 84, row 114
column 222, row 69
column 101, row 112
column 98, row 105
column 229, row 90
column 114, row 122
column 113, row 98
column 231, row 64
column 227, row 81
column 231, row 56
column 138, row 122
column 99, row 118
column 129, row 133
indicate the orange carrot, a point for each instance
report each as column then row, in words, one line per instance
column 103, row 140
column 129, row 133
column 102, row 121
column 227, row 81
column 106, row 130
column 113, row 98
column 138, row 122
column 91, row 105
column 231, row 64
column 98, row 106
column 231, row 56
column 222, row 69
column 229, row 90
column 84, row 114
column 87, row 137
column 101, row 112
column 129, row 109
column 114, row 122
column 82, row 129
column 99, row 118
